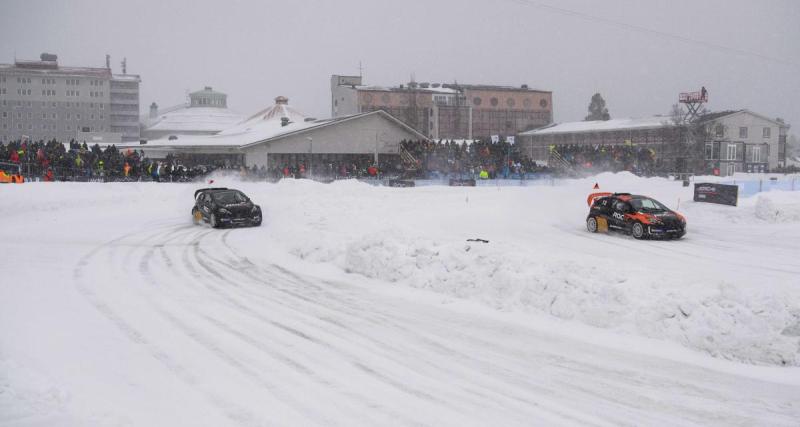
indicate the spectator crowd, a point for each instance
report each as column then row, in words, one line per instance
column 613, row 158
column 53, row 160
column 422, row 159
column 476, row 159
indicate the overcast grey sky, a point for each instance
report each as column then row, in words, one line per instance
column 256, row 50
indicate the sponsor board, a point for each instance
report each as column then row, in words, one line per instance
column 716, row 193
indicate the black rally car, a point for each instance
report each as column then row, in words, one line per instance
column 640, row 216
column 224, row 207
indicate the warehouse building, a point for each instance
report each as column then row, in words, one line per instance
column 725, row 142
column 279, row 135
column 447, row 111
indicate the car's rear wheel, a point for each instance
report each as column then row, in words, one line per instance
column 637, row 230
column 591, row 224
column 213, row 221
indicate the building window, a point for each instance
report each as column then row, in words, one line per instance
column 477, row 100
column 767, row 132
column 5, row 114
column 719, row 131
column 732, row 151
column 756, row 158
column 743, row 132
column 494, row 102
column 510, row 102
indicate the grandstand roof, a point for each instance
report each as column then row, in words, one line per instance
column 653, row 122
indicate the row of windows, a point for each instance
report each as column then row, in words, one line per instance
column 49, row 81
column 24, row 92
column 96, row 94
column 207, row 101
column 73, row 93
column 54, row 127
column 510, row 102
column 53, row 116
column 54, row 104
column 753, row 153
column 48, row 92
column 719, row 132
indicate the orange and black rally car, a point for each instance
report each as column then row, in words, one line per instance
column 639, row 216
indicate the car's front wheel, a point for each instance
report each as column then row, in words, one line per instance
column 213, row 221
column 637, row 230
column 591, row 224
column 197, row 216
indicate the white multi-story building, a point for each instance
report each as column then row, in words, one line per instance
column 41, row 100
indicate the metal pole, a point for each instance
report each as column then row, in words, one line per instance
column 311, row 155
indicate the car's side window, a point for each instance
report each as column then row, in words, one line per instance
column 620, row 207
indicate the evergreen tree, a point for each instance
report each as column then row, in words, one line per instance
column 597, row 109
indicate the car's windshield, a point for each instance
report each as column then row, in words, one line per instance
column 645, row 204
column 229, row 197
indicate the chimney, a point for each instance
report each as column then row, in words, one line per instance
column 284, row 121
column 124, row 65
column 153, row 110
column 108, row 62
column 281, row 100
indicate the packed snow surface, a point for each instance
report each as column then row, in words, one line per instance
column 361, row 305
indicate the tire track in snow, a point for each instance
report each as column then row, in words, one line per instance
column 232, row 411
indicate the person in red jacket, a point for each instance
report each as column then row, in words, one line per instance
column 48, row 177
column 14, row 157
column 372, row 171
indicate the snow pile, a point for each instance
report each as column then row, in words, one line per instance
column 723, row 320
column 704, row 292
column 777, row 207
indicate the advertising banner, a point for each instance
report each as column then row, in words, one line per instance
column 716, row 193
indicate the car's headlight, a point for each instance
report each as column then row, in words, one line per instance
column 224, row 211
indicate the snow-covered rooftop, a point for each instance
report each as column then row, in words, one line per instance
column 653, row 122
column 199, row 119
column 442, row 90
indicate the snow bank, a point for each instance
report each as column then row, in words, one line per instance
column 723, row 320
column 540, row 259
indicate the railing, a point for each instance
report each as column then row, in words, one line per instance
column 409, row 161
column 560, row 162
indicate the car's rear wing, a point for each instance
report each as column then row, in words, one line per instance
column 207, row 189
column 592, row 197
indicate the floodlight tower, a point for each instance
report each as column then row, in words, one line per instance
column 694, row 102
column 688, row 152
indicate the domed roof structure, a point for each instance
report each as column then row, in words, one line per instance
column 206, row 113
column 277, row 111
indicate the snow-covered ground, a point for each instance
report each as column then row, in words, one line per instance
column 363, row 305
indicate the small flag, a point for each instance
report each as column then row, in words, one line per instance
column 510, row 140
column 210, row 181
column 495, row 139
column 596, row 186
